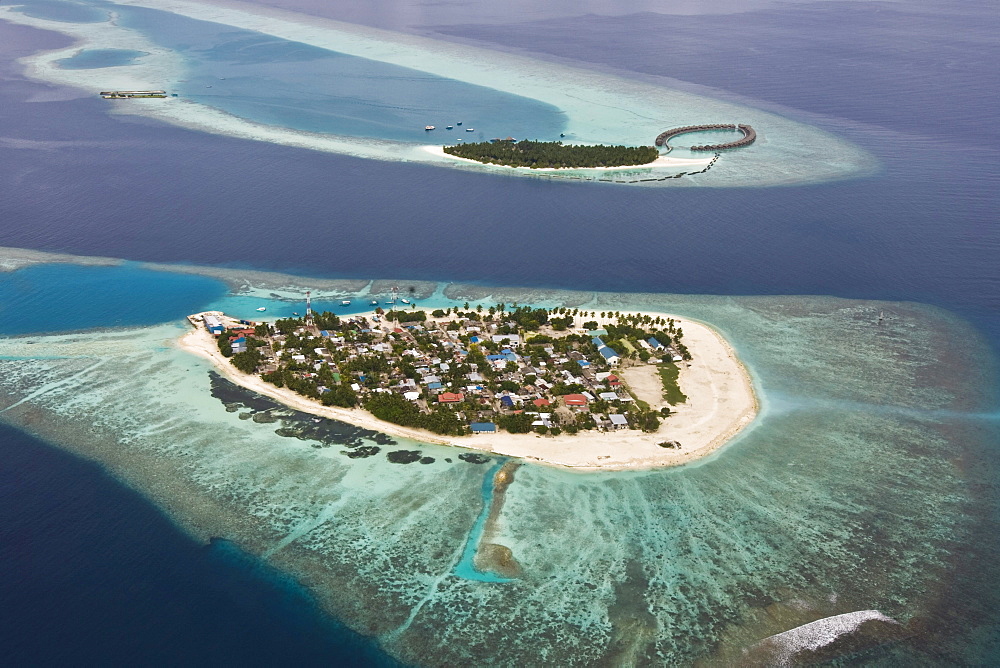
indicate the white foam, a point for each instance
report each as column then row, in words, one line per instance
column 599, row 108
column 822, row 632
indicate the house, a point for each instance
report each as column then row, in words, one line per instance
column 411, row 396
column 451, row 398
column 577, row 400
column 609, row 355
column 583, row 364
column 239, row 345
column 510, row 339
column 654, row 344
column 608, row 396
column 541, row 402
column 618, row 421
column 597, row 332
column 483, row 428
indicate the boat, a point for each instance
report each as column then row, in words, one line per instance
column 295, row 312
column 262, row 308
column 405, row 301
column 428, row 127
column 374, row 302
column 459, row 123
column 448, row 127
column 390, row 302
column 346, row 302
column 470, row 129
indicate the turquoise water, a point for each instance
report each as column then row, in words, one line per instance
column 862, row 485
column 96, row 58
column 466, row 566
column 289, row 84
column 69, row 12
column 64, row 297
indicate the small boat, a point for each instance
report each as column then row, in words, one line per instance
column 459, row 123
column 262, row 308
column 346, row 302
column 390, row 302
column 295, row 312
column 428, row 127
column 448, row 127
column 470, row 129
column 374, row 302
column 405, row 301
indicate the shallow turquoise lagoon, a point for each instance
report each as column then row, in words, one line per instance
column 66, row 297
column 69, row 12
column 90, row 59
column 290, row 84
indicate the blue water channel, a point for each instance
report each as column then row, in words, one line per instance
column 465, row 567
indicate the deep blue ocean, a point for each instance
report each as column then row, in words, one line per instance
column 87, row 562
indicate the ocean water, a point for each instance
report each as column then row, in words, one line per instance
column 869, row 483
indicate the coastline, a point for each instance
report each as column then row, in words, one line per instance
column 662, row 161
column 721, row 403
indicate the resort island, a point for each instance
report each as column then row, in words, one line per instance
column 578, row 389
column 552, row 154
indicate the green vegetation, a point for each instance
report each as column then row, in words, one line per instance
column 671, row 390
column 537, row 154
column 394, row 408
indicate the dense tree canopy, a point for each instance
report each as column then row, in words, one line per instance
column 537, row 154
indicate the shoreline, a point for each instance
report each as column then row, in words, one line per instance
column 721, row 403
column 662, row 161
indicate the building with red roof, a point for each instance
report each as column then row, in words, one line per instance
column 575, row 400
column 451, row 398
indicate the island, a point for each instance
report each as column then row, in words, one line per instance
column 573, row 388
column 552, row 154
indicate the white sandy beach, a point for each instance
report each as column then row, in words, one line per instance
column 662, row 161
column 721, row 403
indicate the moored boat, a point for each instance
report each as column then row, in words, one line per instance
column 428, row 127
column 346, row 302
column 262, row 308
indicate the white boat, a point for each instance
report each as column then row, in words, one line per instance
column 390, row 302
column 405, row 301
column 428, row 127
column 346, row 302
column 458, row 123
column 374, row 302
column 448, row 127
column 470, row 129
column 262, row 308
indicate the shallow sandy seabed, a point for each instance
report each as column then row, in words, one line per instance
column 599, row 108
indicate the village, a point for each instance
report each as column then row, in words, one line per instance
column 514, row 369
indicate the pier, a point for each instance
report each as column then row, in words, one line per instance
column 749, row 136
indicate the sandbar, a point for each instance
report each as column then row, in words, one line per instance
column 721, row 403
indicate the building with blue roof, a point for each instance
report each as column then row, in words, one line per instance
column 483, row 428
column 654, row 344
column 610, row 355
column 597, row 342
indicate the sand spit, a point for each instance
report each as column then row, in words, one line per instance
column 720, row 404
